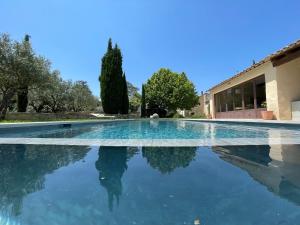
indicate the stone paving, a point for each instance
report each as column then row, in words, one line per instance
column 152, row 142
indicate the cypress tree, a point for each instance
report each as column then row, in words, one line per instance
column 143, row 103
column 111, row 81
column 125, row 99
column 22, row 93
column 22, row 102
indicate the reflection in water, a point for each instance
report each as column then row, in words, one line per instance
column 277, row 167
column 167, row 159
column 211, row 188
column 23, row 170
column 111, row 164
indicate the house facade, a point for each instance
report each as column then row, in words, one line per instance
column 272, row 84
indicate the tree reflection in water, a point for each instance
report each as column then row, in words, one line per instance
column 111, row 164
column 167, row 159
column 23, row 169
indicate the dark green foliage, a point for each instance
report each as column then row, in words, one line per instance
column 22, row 99
column 177, row 115
column 22, row 93
column 169, row 91
column 27, row 37
column 143, row 104
column 125, row 99
column 111, row 80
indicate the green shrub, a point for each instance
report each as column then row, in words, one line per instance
column 177, row 115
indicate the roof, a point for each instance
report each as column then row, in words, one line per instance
column 270, row 57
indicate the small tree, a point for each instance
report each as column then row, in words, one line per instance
column 135, row 102
column 125, row 100
column 81, row 98
column 170, row 91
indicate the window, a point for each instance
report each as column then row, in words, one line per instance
column 237, row 98
column 249, row 95
column 217, row 100
column 223, row 101
column 242, row 96
column 229, row 99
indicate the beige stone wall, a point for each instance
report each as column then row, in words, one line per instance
column 288, row 79
column 212, row 106
column 206, row 106
column 201, row 106
column 271, row 89
column 202, row 109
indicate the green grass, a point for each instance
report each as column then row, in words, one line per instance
column 197, row 117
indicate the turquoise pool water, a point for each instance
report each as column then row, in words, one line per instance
column 228, row 185
column 154, row 129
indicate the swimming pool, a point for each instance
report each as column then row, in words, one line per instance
column 153, row 133
column 150, row 172
column 228, row 185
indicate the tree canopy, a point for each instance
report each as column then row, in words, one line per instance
column 27, row 78
column 20, row 68
column 170, row 91
column 58, row 95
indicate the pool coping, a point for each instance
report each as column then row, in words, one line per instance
column 53, row 123
column 152, row 142
column 249, row 121
column 94, row 121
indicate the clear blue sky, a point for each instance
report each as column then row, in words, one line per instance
column 209, row 40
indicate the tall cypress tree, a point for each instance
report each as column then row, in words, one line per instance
column 111, row 80
column 22, row 92
column 143, row 103
column 125, row 99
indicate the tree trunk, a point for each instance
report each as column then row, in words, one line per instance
column 4, row 104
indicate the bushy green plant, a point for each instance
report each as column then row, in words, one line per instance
column 170, row 91
column 177, row 115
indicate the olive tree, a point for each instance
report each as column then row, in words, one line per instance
column 81, row 98
column 58, row 95
column 20, row 68
column 51, row 96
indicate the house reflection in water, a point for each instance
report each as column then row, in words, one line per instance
column 277, row 167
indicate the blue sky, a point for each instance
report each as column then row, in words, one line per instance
column 209, row 40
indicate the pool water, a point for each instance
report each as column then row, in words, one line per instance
column 226, row 185
column 154, row 129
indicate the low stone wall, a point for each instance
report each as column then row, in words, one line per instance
column 241, row 114
column 61, row 116
column 47, row 116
